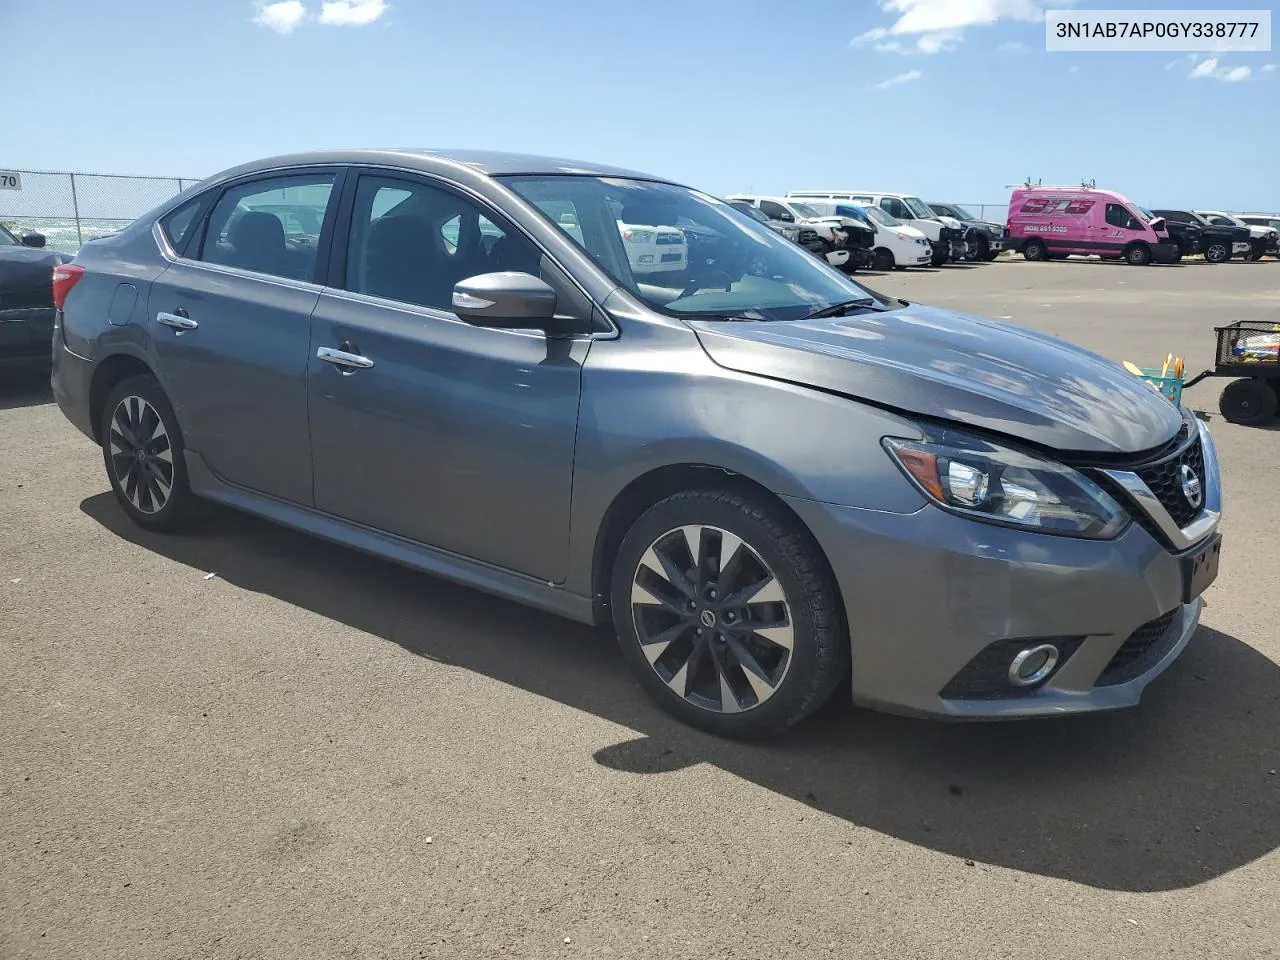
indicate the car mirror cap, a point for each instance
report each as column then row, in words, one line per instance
column 507, row 299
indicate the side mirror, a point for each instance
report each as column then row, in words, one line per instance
column 507, row 300
column 33, row 240
column 786, row 217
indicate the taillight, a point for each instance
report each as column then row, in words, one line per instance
column 65, row 276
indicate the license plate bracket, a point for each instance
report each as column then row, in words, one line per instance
column 1200, row 568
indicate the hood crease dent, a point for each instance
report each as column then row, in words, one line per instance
column 970, row 371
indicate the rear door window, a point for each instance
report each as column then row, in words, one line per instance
column 270, row 226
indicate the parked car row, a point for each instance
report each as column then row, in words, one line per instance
column 26, row 296
column 882, row 230
column 1051, row 222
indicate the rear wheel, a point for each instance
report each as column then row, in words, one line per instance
column 1035, row 250
column 1248, row 402
column 1138, row 255
column 1217, row 251
column 143, row 451
column 727, row 613
column 981, row 249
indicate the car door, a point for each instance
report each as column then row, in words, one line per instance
column 230, row 323
column 422, row 425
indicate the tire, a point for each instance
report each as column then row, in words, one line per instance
column 1254, row 255
column 1137, row 255
column 1035, row 250
column 775, row 560
column 1217, row 251
column 149, row 478
column 982, row 250
column 991, row 255
column 939, row 260
column 883, row 259
column 1248, row 402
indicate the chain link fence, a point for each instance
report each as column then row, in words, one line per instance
column 70, row 208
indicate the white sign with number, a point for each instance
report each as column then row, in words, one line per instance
column 10, row 180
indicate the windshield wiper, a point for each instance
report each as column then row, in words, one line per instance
column 839, row 309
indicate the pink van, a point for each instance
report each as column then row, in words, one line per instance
column 1049, row 222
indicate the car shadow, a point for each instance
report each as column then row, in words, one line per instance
column 1171, row 794
column 24, row 386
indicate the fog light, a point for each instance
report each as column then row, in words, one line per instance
column 1033, row 664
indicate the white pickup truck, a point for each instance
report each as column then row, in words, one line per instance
column 946, row 234
column 834, row 232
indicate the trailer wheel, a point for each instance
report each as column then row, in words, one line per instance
column 1138, row 255
column 1248, row 402
column 1035, row 250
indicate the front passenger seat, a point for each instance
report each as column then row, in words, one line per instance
column 257, row 240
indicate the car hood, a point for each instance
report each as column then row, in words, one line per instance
column 25, row 267
column 945, row 365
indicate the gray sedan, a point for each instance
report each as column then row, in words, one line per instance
column 616, row 398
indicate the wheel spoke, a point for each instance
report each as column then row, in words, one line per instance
column 650, row 588
column 656, row 646
column 131, row 483
column 780, row 636
column 661, row 561
column 148, row 421
column 756, row 675
column 729, row 702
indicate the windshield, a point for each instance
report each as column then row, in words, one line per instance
column 919, row 209
column 961, row 213
column 880, row 215
column 806, row 211
column 686, row 253
column 1222, row 220
column 7, row 239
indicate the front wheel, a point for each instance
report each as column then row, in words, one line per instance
column 882, row 259
column 1138, row 255
column 1248, row 402
column 143, row 451
column 727, row 613
column 982, row 250
column 1217, row 251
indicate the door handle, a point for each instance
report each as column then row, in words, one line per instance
column 348, row 362
column 178, row 320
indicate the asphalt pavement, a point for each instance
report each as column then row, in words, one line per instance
column 242, row 742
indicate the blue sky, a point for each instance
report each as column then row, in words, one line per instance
column 953, row 99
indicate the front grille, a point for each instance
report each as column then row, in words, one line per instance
column 946, row 233
column 1140, row 652
column 808, row 236
column 26, row 299
column 1165, row 480
column 669, row 238
column 862, row 238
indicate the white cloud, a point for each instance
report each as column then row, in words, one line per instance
column 1270, row 68
column 1013, row 46
column 1073, row 69
column 892, row 46
column 907, row 77
column 282, row 17
column 352, row 13
column 1205, row 68
column 1209, row 68
column 939, row 24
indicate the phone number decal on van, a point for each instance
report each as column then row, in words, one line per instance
column 1177, row 30
column 1043, row 228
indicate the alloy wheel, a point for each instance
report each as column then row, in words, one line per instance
column 141, row 456
column 712, row 619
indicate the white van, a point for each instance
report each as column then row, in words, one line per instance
column 946, row 234
column 896, row 245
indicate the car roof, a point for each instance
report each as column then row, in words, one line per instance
column 487, row 163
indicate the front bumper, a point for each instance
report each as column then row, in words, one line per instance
column 925, row 593
column 26, row 333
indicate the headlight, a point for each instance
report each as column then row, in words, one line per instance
column 987, row 482
column 637, row 236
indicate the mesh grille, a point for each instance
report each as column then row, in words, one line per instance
column 1250, row 341
column 1139, row 653
column 1165, row 481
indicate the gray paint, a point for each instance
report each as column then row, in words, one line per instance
column 493, row 456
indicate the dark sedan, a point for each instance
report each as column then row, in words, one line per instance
column 26, row 297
